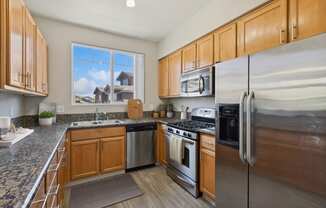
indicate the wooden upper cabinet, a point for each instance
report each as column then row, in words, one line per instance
column 306, row 18
column 112, row 154
column 205, row 51
column 263, row 28
column 175, row 73
column 16, row 12
column 163, row 78
column 30, row 51
column 41, row 64
column 84, row 158
column 189, row 57
column 225, row 43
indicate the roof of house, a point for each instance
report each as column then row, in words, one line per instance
column 105, row 90
column 123, row 75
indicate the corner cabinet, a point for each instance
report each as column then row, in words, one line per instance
column 96, row 151
column 174, row 73
column 19, row 51
column 169, row 75
column 306, row 18
column 263, row 28
column 163, row 78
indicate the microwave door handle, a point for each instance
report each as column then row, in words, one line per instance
column 201, row 84
column 241, row 124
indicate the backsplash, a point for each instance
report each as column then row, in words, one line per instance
column 29, row 121
column 195, row 102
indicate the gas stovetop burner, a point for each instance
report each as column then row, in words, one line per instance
column 191, row 125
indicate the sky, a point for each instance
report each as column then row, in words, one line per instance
column 91, row 68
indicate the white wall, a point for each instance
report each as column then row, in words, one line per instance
column 210, row 17
column 60, row 35
column 11, row 105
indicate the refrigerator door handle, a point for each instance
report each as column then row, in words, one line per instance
column 241, row 126
column 250, row 157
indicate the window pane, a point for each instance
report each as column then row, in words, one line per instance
column 91, row 75
column 123, row 73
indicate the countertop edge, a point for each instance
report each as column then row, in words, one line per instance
column 31, row 194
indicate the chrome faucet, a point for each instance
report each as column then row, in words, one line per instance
column 97, row 114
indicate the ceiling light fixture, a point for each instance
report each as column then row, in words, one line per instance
column 131, row 3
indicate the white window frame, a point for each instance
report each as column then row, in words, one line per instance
column 138, row 93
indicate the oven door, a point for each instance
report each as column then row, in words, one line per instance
column 188, row 164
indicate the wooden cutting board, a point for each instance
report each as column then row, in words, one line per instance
column 135, row 109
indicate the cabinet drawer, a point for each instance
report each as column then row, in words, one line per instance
column 97, row 133
column 207, row 141
column 39, row 198
column 84, row 134
column 111, row 132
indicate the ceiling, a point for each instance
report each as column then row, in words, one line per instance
column 149, row 20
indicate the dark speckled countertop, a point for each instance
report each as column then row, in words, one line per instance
column 23, row 164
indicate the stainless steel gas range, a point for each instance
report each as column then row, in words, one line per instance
column 183, row 148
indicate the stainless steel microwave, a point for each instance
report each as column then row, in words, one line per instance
column 198, row 83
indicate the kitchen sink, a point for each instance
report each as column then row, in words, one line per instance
column 96, row 123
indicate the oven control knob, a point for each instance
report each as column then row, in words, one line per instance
column 189, row 135
column 178, row 132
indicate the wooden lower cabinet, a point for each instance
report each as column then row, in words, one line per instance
column 96, row 151
column 84, row 158
column 161, row 147
column 112, row 154
column 50, row 191
column 207, row 165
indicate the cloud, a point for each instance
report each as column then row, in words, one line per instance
column 84, row 87
column 99, row 75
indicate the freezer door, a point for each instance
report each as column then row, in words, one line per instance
column 231, row 173
column 288, row 126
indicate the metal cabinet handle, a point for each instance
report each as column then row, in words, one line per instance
column 241, row 123
column 250, row 157
column 294, row 32
column 282, row 32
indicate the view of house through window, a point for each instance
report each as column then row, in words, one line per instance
column 102, row 76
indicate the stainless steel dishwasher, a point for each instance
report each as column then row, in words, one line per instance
column 140, row 145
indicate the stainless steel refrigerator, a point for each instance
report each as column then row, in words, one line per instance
column 271, row 128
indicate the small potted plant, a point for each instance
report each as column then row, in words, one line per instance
column 46, row 118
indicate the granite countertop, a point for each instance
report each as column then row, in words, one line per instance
column 23, row 164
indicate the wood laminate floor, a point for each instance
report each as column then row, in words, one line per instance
column 160, row 191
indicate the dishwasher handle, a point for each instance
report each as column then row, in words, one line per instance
column 141, row 127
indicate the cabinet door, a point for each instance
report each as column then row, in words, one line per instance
column 307, row 18
column 225, row 43
column 30, row 51
column 163, row 78
column 174, row 73
column 263, row 28
column 205, row 51
column 84, row 158
column 162, row 146
column 189, row 58
column 207, row 172
column 112, row 154
column 41, row 64
column 16, row 43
